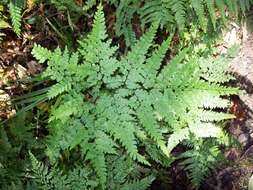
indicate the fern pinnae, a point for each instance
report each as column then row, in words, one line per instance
column 178, row 7
column 198, row 7
column 124, row 16
column 141, row 47
column 211, row 10
column 153, row 11
column 15, row 9
column 41, row 54
column 139, row 185
column 99, row 164
column 200, row 160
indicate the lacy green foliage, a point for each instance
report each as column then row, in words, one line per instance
column 124, row 16
column 64, row 5
column 104, row 104
column 78, row 178
column 182, row 10
column 173, row 14
column 15, row 9
column 16, row 140
column 200, row 160
column 123, row 175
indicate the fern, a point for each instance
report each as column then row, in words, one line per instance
column 200, row 160
column 153, row 11
column 122, row 176
column 124, row 16
column 15, row 9
column 16, row 140
column 89, row 4
column 179, row 10
column 175, row 14
column 172, row 14
column 125, row 174
column 104, row 104
column 78, row 178
column 139, row 185
column 41, row 172
column 72, row 6
column 199, row 8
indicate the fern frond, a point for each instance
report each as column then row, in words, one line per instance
column 205, row 130
column 214, row 116
column 41, row 172
column 177, row 137
column 58, row 89
column 211, row 10
column 154, row 11
column 40, row 53
column 141, row 47
column 98, row 162
column 77, row 178
column 199, row 162
column 89, row 4
column 199, row 8
column 179, row 9
column 15, row 9
column 124, row 16
column 156, row 155
column 127, row 138
column 139, row 185
column 108, row 106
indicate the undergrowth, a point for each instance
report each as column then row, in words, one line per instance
column 179, row 15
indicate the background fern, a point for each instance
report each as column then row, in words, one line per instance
column 200, row 160
column 174, row 14
column 124, row 175
column 16, row 140
column 15, row 9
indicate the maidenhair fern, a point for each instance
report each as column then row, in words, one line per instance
column 105, row 105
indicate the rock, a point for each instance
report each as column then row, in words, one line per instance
column 243, row 138
column 232, row 154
